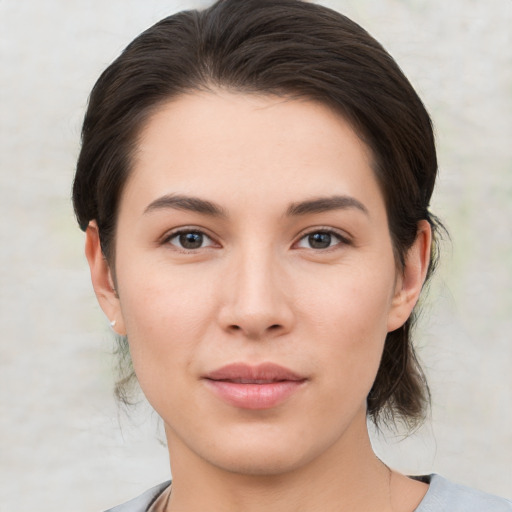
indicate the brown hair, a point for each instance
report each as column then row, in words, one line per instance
column 281, row 47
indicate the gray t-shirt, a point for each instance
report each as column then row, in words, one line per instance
column 442, row 496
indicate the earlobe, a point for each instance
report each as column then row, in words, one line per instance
column 102, row 280
column 410, row 282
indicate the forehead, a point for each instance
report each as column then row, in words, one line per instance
column 214, row 142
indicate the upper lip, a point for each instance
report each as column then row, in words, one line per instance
column 256, row 374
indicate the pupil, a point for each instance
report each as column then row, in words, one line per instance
column 191, row 240
column 320, row 240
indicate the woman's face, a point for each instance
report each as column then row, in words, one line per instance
column 255, row 278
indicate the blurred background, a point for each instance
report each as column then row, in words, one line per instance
column 64, row 445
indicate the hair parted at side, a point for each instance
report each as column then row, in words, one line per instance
column 289, row 48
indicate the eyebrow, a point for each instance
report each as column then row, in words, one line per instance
column 325, row 204
column 202, row 206
column 181, row 202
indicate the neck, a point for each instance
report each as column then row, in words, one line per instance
column 347, row 476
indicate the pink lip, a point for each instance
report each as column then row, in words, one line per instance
column 254, row 387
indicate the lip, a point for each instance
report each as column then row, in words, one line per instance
column 246, row 386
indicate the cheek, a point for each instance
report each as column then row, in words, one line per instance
column 165, row 314
column 349, row 320
column 354, row 301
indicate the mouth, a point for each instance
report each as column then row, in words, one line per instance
column 262, row 386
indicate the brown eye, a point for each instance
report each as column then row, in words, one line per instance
column 190, row 240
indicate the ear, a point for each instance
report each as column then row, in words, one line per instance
column 102, row 280
column 410, row 281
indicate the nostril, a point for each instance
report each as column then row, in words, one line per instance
column 273, row 327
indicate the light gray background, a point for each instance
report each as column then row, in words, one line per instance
column 61, row 446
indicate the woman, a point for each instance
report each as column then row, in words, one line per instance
column 254, row 184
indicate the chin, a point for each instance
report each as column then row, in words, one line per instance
column 262, row 450
column 261, row 461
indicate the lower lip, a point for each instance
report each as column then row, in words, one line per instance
column 254, row 396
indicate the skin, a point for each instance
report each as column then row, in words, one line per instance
column 256, row 291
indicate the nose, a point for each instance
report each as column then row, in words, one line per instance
column 257, row 299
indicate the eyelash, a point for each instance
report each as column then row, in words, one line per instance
column 343, row 240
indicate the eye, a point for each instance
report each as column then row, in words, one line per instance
column 190, row 240
column 322, row 239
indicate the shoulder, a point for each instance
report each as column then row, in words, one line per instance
column 142, row 502
column 446, row 496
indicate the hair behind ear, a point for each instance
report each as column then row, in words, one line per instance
column 400, row 389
